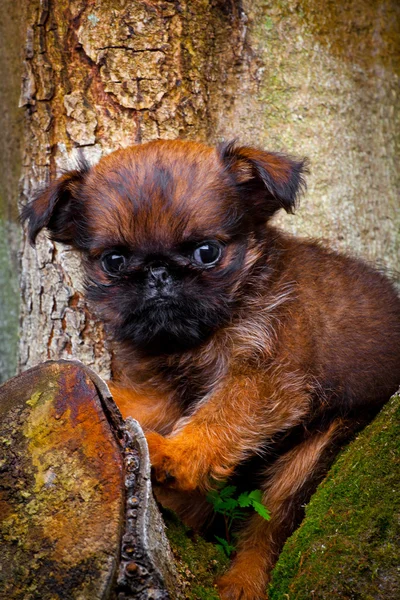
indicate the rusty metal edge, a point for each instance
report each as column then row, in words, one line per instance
column 149, row 557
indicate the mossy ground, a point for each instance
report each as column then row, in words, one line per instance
column 348, row 544
column 198, row 562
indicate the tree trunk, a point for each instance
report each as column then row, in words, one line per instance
column 99, row 76
column 315, row 79
column 321, row 79
column 10, row 160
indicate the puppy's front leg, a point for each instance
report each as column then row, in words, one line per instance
column 157, row 413
column 225, row 429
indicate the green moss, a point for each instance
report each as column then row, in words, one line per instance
column 268, row 24
column 198, row 562
column 12, row 36
column 347, row 545
column 9, row 304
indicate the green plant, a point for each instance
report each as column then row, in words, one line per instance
column 233, row 509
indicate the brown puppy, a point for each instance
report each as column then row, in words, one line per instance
column 243, row 352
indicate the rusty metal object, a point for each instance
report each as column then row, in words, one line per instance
column 77, row 518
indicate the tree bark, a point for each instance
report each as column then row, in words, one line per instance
column 99, row 76
column 313, row 79
column 61, row 487
column 321, row 79
column 11, row 36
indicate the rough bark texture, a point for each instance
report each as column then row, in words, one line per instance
column 98, row 76
column 146, row 570
column 348, row 544
column 11, row 36
column 61, row 488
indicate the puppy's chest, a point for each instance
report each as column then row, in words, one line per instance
column 190, row 386
column 182, row 380
column 190, row 382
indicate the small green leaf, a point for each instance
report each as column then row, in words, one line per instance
column 226, row 547
column 256, row 495
column 234, row 509
column 229, row 504
column 224, row 506
column 213, row 497
column 227, row 492
column 244, row 500
column 221, row 540
column 261, row 510
column 239, row 515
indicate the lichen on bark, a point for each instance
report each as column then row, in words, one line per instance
column 321, row 79
column 10, row 160
column 61, row 488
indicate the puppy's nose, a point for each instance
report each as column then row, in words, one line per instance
column 159, row 276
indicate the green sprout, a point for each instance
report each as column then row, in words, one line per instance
column 233, row 509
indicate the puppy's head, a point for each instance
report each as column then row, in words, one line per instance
column 169, row 231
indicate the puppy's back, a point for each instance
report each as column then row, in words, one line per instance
column 346, row 318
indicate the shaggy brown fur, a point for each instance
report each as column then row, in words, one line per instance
column 245, row 353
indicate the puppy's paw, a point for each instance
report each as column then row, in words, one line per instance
column 171, row 464
column 159, row 456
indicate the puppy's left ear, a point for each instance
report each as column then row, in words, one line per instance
column 268, row 180
column 58, row 208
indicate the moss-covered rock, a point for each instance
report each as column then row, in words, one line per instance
column 348, row 544
column 198, row 562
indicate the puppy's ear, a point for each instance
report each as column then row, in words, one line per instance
column 269, row 180
column 58, row 208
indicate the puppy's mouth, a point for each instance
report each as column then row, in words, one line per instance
column 159, row 300
column 165, row 325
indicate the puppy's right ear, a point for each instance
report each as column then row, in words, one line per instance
column 267, row 181
column 58, row 208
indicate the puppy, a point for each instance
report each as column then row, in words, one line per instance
column 244, row 352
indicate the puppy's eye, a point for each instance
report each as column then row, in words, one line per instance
column 207, row 254
column 113, row 262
